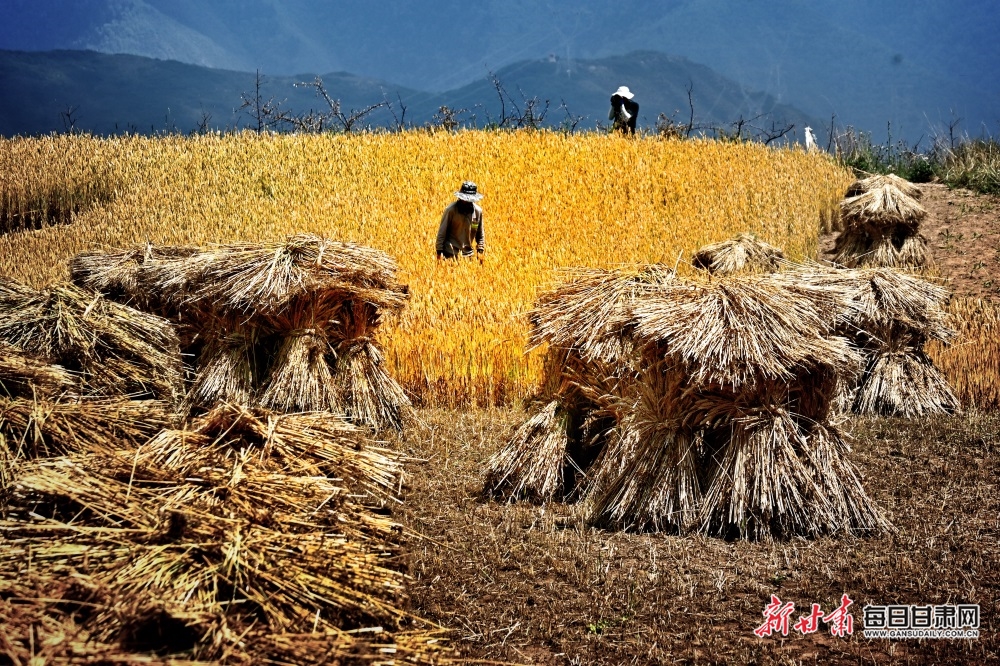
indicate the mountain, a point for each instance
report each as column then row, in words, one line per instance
column 106, row 94
column 914, row 65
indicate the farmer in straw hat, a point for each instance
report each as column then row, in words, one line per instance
column 624, row 111
column 461, row 225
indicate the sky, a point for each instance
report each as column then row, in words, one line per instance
column 913, row 64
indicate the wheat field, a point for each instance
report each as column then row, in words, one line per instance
column 552, row 200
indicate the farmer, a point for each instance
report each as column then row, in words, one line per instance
column 462, row 225
column 624, row 111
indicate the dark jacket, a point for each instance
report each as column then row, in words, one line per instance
column 459, row 231
column 624, row 113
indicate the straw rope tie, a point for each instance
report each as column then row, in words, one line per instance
column 299, row 332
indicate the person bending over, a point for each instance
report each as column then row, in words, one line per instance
column 462, row 226
column 624, row 111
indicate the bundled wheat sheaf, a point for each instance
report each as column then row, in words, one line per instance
column 880, row 219
column 891, row 320
column 109, row 349
column 743, row 253
column 288, row 326
column 709, row 405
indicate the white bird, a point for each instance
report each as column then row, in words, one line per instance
column 810, row 139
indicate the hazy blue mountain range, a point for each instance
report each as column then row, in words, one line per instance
column 909, row 63
column 118, row 93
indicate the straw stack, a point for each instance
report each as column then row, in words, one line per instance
column 24, row 375
column 247, row 537
column 112, row 349
column 744, row 253
column 288, row 326
column 587, row 358
column 862, row 185
column 719, row 397
column 890, row 317
column 881, row 222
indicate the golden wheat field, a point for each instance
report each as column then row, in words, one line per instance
column 552, row 201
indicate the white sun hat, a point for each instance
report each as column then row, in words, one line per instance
column 624, row 92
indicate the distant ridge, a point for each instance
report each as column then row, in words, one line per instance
column 889, row 67
column 109, row 94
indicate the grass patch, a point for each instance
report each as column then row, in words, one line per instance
column 973, row 164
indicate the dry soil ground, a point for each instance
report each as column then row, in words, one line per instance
column 529, row 584
column 962, row 229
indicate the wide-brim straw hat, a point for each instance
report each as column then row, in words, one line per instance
column 623, row 91
column 468, row 192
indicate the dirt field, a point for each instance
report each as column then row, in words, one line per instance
column 534, row 585
column 529, row 584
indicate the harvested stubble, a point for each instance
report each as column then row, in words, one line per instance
column 115, row 349
column 721, row 425
column 222, row 543
column 744, row 253
column 40, row 632
column 372, row 647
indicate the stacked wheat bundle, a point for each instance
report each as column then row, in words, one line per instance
column 288, row 326
column 246, row 537
column 586, row 363
column 742, row 253
column 73, row 363
column 880, row 219
column 104, row 348
column 709, row 403
column 890, row 317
